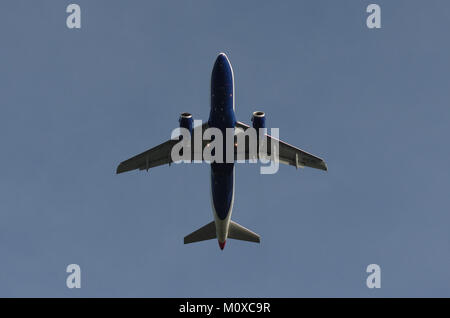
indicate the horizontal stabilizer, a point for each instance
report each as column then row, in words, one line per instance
column 204, row 233
column 238, row 232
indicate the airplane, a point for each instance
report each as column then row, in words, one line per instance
column 222, row 116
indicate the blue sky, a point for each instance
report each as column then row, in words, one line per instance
column 372, row 103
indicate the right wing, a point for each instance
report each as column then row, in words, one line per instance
column 157, row 156
column 288, row 154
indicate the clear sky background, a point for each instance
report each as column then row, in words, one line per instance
column 373, row 103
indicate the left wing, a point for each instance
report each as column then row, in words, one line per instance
column 288, row 154
column 157, row 156
column 154, row 157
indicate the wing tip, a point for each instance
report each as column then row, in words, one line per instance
column 120, row 168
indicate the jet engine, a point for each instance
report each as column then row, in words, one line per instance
column 186, row 121
column 259, row 120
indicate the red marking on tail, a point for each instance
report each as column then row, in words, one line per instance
column 222, row 245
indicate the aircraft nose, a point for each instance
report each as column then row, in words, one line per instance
column 222, row 57
column 222, row 61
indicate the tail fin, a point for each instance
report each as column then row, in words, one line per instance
column 238, row 232
column 204, row 233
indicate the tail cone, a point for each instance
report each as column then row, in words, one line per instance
column 222, row 245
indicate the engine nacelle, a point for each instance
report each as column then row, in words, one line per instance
column 259, row 120
column 186, row 121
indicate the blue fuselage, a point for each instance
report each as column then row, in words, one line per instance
column 222, row 117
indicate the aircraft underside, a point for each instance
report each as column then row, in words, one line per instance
column 222, row 116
